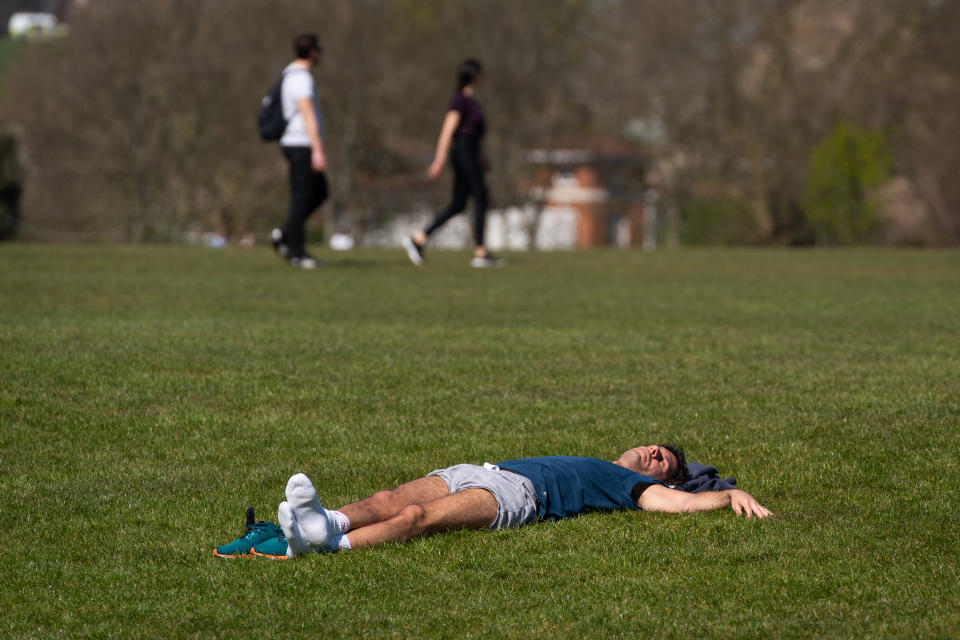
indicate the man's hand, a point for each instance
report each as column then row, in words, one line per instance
column 318, row 161
column 743, row 503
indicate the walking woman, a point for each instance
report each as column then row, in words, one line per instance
column 460, row 138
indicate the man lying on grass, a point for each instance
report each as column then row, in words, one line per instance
column 509, row 494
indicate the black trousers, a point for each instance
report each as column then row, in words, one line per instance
column 468, row 181
column 308, row 190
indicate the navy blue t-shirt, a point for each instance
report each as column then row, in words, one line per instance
column 472, row 121
column 567, row 486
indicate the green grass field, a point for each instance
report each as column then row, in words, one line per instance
column 148, row 395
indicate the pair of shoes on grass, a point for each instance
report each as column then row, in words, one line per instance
column 261, row 538
column 415, row 253
column 304, row 261
column 305, row 527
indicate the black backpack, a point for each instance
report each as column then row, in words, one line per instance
column 270, row 120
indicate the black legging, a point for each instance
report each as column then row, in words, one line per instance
column 308, row 190
column 467, row 181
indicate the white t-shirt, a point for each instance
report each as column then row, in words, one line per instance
column 297, row 83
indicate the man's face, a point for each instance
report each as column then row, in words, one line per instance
column 650, row 460
column 315, row 57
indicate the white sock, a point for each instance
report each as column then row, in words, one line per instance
column 339, row 521
column 315, row 527
column 333, row 544
column 291, row 529
column 337, row 543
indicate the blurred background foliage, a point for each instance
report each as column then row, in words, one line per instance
column 846, row 169
column 758, row 122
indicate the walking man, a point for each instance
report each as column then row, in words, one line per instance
column 302, row 146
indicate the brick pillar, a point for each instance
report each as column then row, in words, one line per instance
column 591, row 210
column 635, row 218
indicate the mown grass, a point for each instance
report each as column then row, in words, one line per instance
column 148, row 395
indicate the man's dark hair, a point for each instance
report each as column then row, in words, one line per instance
column 681, row 475
column 305, row 44
column 467, row 72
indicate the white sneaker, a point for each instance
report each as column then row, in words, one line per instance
column 486, row 261
column 276, row 239
column 304, row 262
column 414, row 251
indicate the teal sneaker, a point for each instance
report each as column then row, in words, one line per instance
column 275, row 548
column 256, row 532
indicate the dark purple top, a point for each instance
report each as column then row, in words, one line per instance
column 472, row 122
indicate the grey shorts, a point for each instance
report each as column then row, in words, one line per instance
column 516, row 499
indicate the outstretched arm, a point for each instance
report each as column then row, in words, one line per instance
column 660, row 498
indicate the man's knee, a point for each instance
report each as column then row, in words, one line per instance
column 413, row 516
column 385, row 498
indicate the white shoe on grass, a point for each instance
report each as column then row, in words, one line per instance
column 276, row 239
column 489, row 260
column 414, row 251
column 305, row 262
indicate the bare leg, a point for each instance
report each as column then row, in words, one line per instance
column 468, row 509
column 383, row 505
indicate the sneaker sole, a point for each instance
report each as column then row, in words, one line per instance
column 234, row 555
column 267, row 555
column 412, row 252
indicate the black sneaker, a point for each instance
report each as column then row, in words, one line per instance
column 486, row 261
column 276, row 239
column 414, row 251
